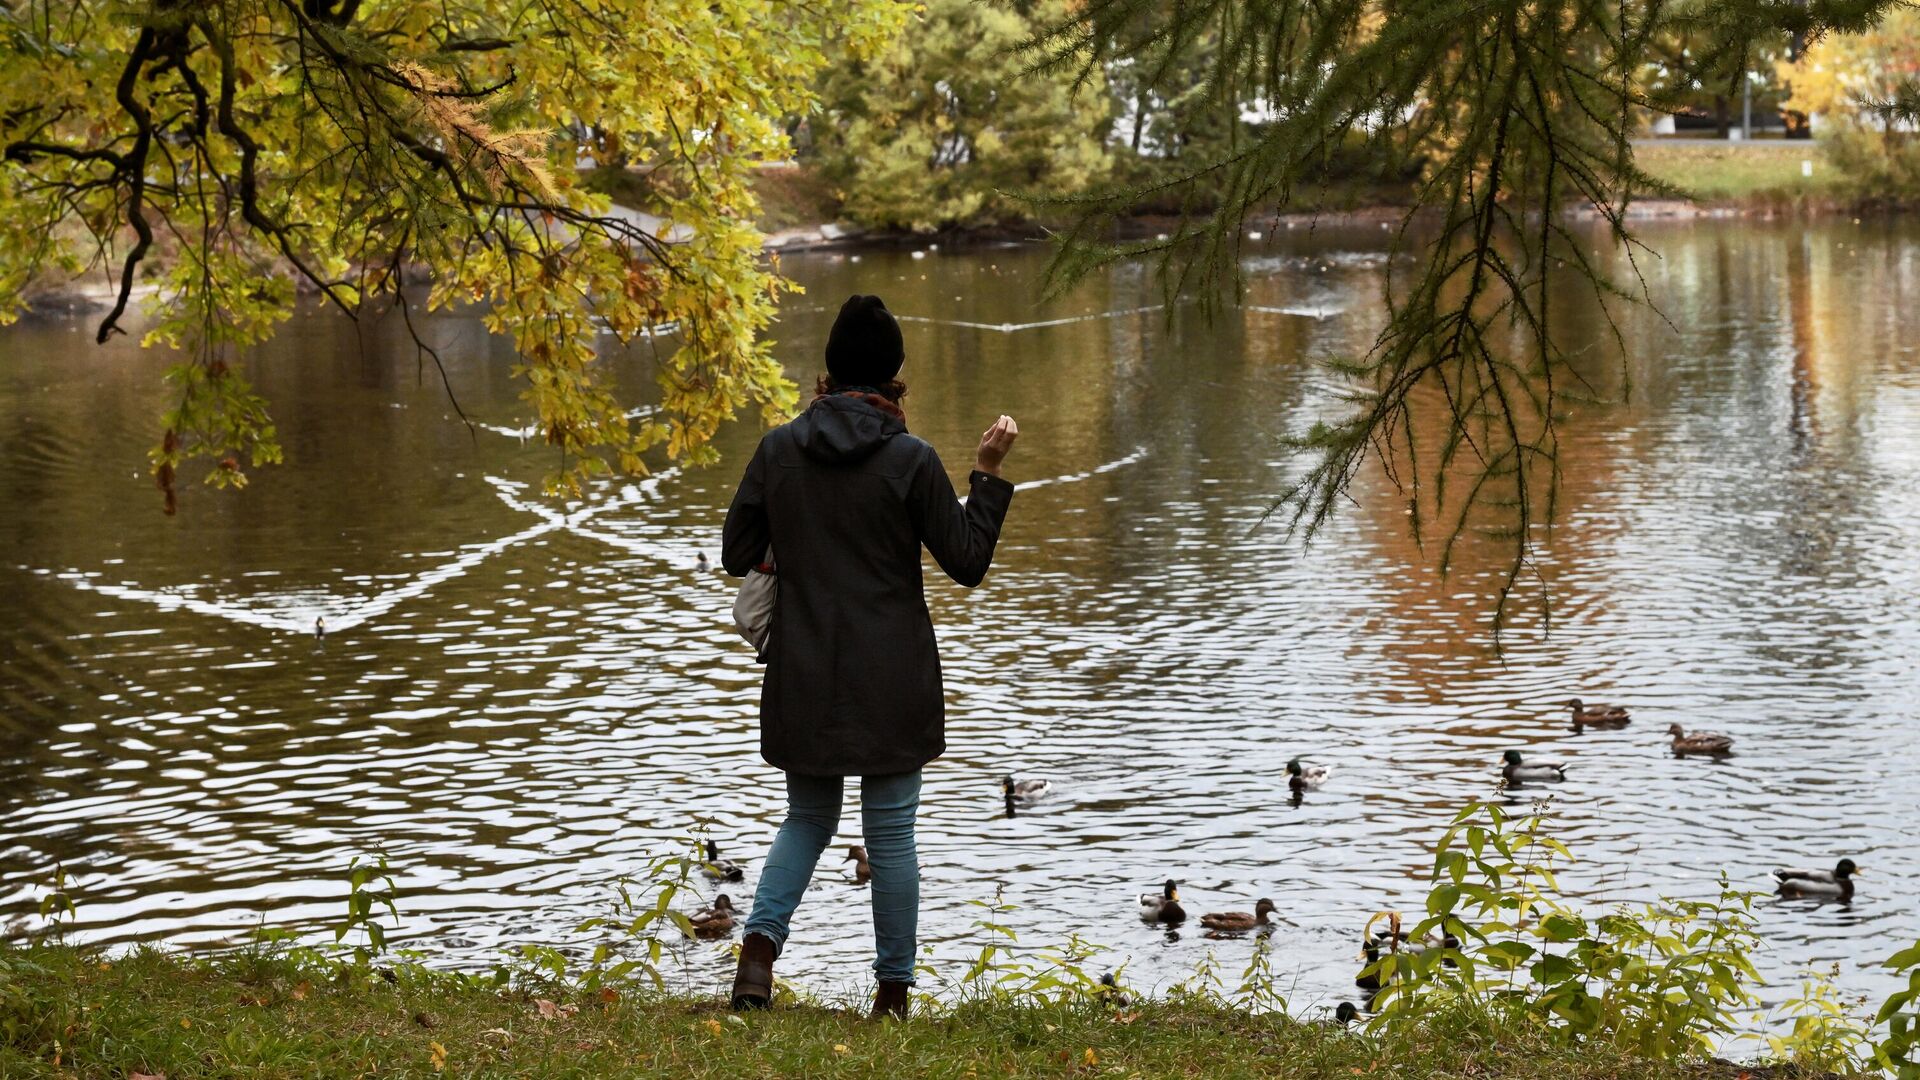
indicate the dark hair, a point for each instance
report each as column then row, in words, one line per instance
column 893, row 389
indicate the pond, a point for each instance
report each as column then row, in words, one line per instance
column 518, row 702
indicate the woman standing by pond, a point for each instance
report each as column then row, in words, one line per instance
column 846, row 497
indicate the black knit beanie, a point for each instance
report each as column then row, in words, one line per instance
column 864, row 347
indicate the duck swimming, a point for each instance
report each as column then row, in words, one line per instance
column 1234, row 922
column 862, row 872
column 1700, row 742
column 1518, row 772
column 1163, row 907
column 720, row 869
column 1836, row 884
column 714, row 921
column 1025, row 792
column 1307, row 777
column 1598, row 716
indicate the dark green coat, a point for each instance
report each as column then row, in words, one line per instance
column 847, row 497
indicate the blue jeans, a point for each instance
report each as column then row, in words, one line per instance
column 887, row 807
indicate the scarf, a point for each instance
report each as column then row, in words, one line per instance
column 863, row 393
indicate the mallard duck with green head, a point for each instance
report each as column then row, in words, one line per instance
column 1699, row 742
column 1518, row 771
column 1834, row 884
column 1164, row 906
column 1343, row 1016
column 1598, row 716
column 719, row 869
column 1239, row 922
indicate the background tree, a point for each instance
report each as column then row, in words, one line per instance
column 1860, row 88
column 942, row 127
column 230, row 151
column 1520, row 109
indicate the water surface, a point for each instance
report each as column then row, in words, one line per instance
column 519, row 701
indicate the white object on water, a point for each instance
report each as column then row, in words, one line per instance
column 1255, row 235
column 919, row 254
column 853, row 258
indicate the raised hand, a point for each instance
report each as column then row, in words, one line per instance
column 994, row 445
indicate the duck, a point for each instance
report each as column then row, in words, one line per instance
column 1395, row 939
column 1369, row 977
column 715, row 920
column 1025, row 792
column 1836, row 883
column 1164, row 906
column 1391, row 941
column 1343, row 1017
column 720, row 869
column 1518, row 772
column 320, row 628
column 1110, row 991
column 1307, row 777
column 862, row 870
column 1700, row 742
column 701, row 564
column 1598, row 716
column 1234, row 922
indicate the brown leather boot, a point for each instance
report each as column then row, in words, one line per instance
column 890, row 1000
column 753, row 979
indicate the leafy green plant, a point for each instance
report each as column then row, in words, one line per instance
column 1899, row 1053
column 1825, row 1036
column 1056, row 974
column 1260, row 989
column 1661, row 980
column 643, row 910
column 1204, row 987
column 362, row 899
column 57, row 907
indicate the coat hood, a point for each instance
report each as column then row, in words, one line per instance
column 838, row 429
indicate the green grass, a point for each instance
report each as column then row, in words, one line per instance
column 67, row 1012
column 1713, row 171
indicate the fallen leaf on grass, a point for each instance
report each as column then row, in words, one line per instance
column 146, row 1076
column 185, row 1023
column 713, row 1026
column 1092, row 1058
column 436, row 1056
column 608, row 995
column 1125, row 1018
column 105, row 966
column 299, row 993
column 551, row 1011
column 840, row 1048
column 502, row 1034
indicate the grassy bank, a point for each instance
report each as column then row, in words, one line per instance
column 67, row 1012
column 1764, row 173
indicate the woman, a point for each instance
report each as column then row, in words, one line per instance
column 846, row 498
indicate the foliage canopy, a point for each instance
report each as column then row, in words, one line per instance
column 338, row 145
column 941, row 127
column 1520, row 110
